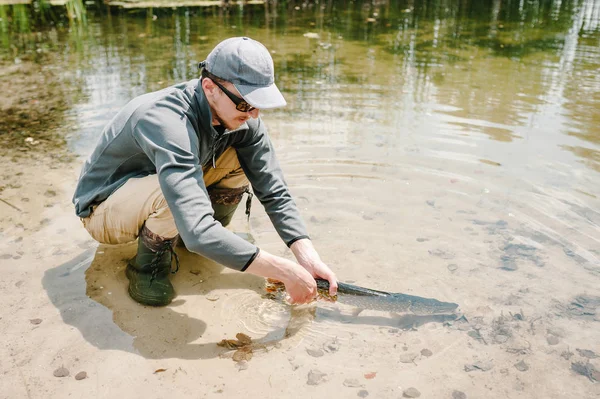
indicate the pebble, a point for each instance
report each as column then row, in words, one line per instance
column 35, row 321
column 61, row 372
column 552, row 340
column 316, row 377
column 352, row 383
column 362, row 393
column 315, row 352
column 243, row 365
column 422, row 239
column 426, row 352
column 331, row 346
column 452, row 267
column 587, row 353
column 501, row 338
column 408, row 357
column 483, row 366
column 411, row 393
column 212, row 298
column 459, row 395
column 82, row 375
column 522, row 366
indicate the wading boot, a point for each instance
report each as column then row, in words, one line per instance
column 148, row 272
column 226, row 200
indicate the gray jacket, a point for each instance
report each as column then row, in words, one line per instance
column 169, row 133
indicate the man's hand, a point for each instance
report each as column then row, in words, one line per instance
column 308, row 257
column 299, row 284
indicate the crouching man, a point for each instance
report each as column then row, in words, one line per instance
column 175, row 164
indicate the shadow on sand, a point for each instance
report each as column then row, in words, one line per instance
column 96, row 277
column 90, row 292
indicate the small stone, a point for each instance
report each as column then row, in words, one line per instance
column 35, row 321
column 426, row 352
column 501, row 338
column 82, row 375
column 483, row 366
column 212, row 298
column 411, row 393
column 566, row 354
column 408, row 357
column 243, row 365
column 61, row 372
column 362, row 393
column 459, row 395
column 587, row 353
column 522, row 366
column 352, row 383
column 421, row 239
column 452, row 267
column 552, row 340
column 331, row 346
column 316, row 377
column 315, row 352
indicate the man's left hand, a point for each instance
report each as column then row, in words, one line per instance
column 307, row 257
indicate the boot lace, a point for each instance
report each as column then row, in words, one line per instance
column 165, row 247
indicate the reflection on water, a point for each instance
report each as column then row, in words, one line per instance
column 461, row 135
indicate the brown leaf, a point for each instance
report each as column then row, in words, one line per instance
column 230, row 343
column 370, row 376
column 159, row 370
column 243, row 338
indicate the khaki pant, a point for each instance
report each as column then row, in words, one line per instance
column 120, row 217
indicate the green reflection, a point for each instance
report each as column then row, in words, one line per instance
column 494, row 65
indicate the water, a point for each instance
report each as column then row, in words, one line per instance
column 439, row 148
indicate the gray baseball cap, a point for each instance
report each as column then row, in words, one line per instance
column 248, row 65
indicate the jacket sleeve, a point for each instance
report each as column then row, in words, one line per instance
column 257, row 158
column 170, row 142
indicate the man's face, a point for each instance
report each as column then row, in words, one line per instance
column 223, row 108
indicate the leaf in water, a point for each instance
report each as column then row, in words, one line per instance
column 159, row 370
column 230, row 343
column 243, row 338
column 241, row 354
column 370, row 376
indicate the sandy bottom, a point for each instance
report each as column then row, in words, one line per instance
column 528, row 331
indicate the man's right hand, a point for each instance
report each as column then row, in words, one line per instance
column 299, row 284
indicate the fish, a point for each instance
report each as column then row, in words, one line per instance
column 366, row 298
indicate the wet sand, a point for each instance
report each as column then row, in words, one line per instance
column 436, row 180
column 524, row 330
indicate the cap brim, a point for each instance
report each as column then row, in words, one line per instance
column 262, row 97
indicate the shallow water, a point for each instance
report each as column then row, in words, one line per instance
column 441, row 149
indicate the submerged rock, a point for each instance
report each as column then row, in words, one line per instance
column 522, row 366
column 316, row 377
column 82, row 375
column 411, row 393
column 459, row 395
column 61, row 372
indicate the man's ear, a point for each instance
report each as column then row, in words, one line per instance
column 208, row 86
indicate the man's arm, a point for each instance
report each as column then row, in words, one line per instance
column 260, row 165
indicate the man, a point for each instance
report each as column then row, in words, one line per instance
column 177, row 162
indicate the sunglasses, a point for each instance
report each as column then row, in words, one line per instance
column 240, row 104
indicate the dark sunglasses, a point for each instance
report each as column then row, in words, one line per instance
column 240, row 104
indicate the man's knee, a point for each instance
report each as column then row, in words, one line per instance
column 225, row 201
